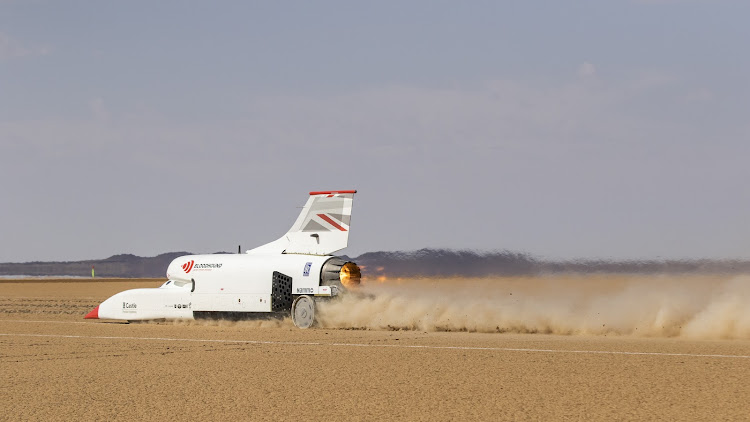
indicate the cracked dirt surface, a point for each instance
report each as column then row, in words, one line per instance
column 57, row 366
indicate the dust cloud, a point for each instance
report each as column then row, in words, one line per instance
column 698, row 307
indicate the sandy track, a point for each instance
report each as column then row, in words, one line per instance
column 57, row 366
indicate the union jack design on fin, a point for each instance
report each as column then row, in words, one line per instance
column 321, row 228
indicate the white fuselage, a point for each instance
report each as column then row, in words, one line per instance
column 218, row 283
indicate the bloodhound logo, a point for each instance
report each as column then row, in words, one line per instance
column 188, row 266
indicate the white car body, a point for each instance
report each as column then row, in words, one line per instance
column 275, row 277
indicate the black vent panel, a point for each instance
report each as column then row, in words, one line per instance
column 281, row 292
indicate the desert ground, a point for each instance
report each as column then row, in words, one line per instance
column 554, row 348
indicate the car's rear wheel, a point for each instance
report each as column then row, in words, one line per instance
column 303, row 311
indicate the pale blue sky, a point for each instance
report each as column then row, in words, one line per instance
column 614, row 129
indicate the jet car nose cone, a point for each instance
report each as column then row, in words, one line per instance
column 94, row 314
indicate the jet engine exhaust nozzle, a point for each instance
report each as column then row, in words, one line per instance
column 337, row 272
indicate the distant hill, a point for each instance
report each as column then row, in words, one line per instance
column 423, row 262
column 124, row 265
column 446, row 262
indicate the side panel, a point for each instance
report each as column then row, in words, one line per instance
column 228, row 302
column 243, row 282
column 305, row 273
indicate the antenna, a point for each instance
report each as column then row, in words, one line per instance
column 239, row 248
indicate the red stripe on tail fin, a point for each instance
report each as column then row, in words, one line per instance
column 330, row 221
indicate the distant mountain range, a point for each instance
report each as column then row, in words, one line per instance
column 423, row 262
column 446, row 262
column 123, row 265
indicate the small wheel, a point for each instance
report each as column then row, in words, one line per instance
column 303, row 311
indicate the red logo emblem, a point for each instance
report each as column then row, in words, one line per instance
column 188, row 266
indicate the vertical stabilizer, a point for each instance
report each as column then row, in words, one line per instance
column 321, row 228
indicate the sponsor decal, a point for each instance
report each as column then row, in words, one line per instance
column 306, row 272
column 188, row 266
column 304, row 290
column 207, row 266
column 129, row 308
column 183, row 305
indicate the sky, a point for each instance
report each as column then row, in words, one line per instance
column 580, row 129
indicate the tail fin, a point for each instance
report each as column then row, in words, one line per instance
column 321, row 228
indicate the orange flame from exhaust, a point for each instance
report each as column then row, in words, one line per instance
column 350, row 275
